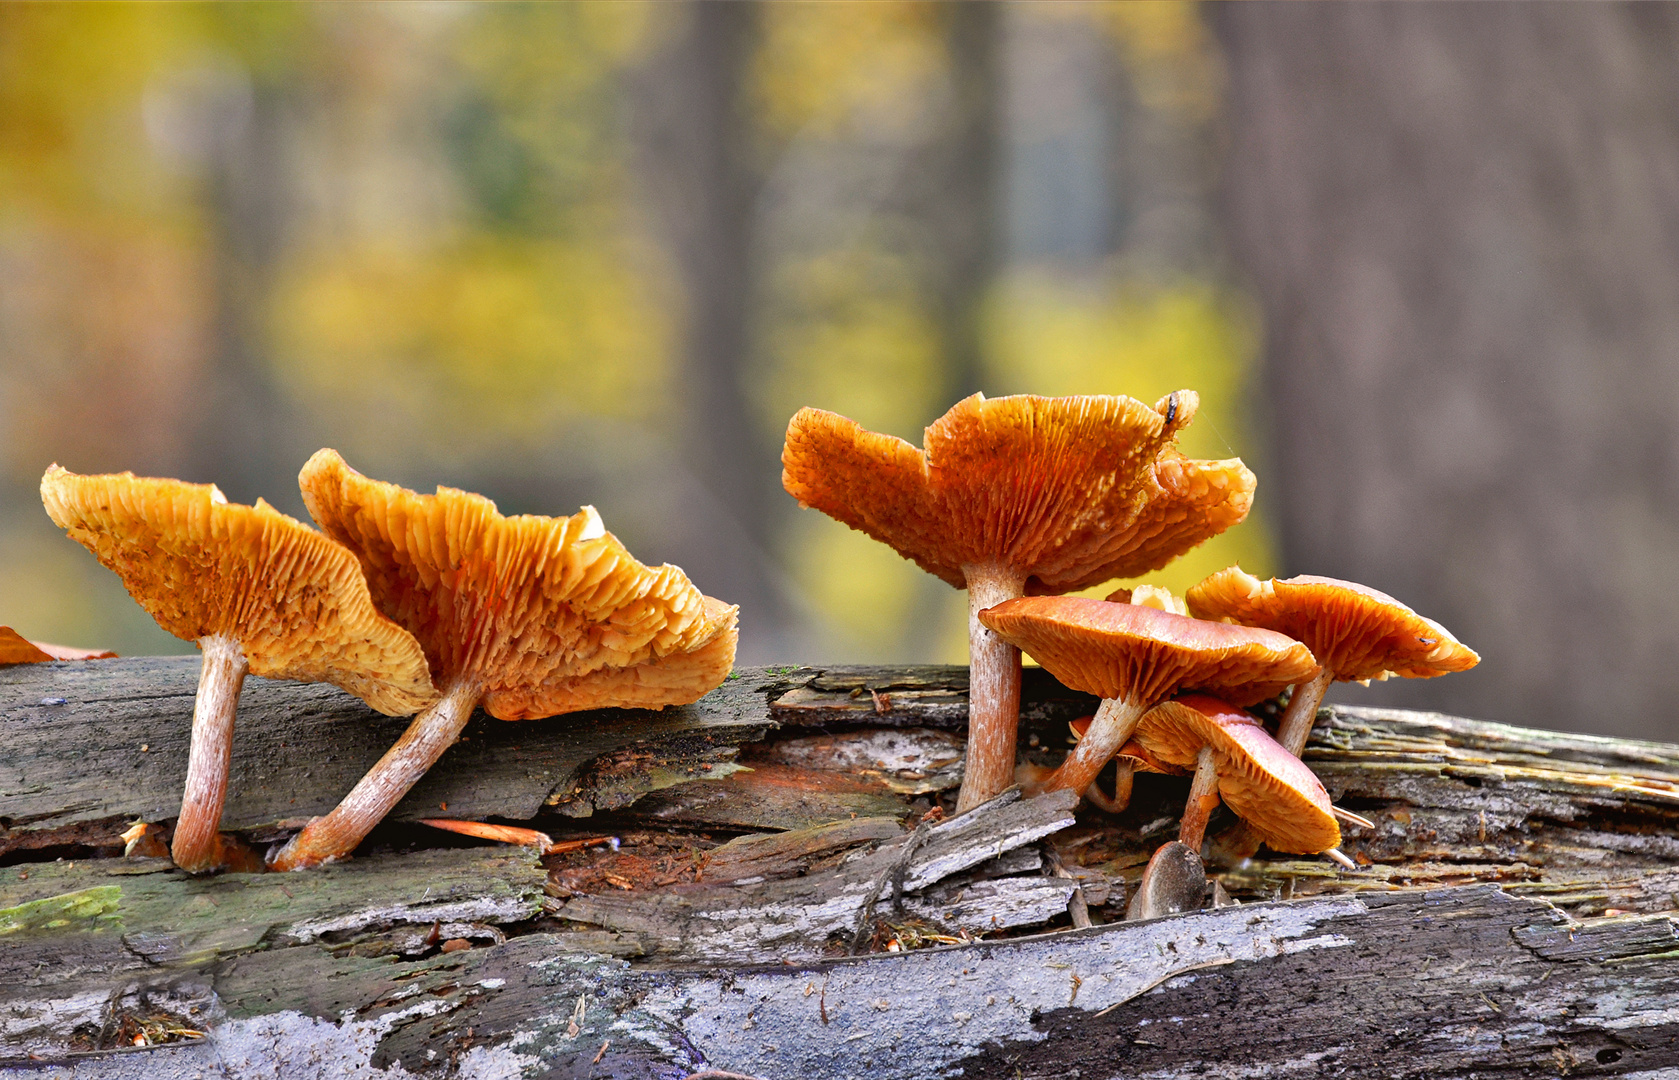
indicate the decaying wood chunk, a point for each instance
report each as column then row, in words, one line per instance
column 906, row 760
column 795, row 919
column 773, row 855
column 773, row 797
column 107, row 739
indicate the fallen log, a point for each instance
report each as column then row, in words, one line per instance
column 1513, row 913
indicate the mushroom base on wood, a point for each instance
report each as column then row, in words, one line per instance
column 993, row 691
column 198, row 845
column 428, row 736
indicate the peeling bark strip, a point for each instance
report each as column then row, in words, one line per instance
column 794, row 919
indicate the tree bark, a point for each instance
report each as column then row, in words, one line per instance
column 1458, row 220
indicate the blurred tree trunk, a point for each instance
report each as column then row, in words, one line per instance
column 699, row 165
column 1460, row 221
column 244, row 440
column 963, row 207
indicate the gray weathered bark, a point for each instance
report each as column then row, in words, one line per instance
column 106, row 742
column 1458, row 219
column 1466, row 981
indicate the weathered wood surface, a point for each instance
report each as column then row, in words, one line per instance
column 795, row 919
column 101, row 740
column 1513, row 915
column 1455, row 982
column 1588, row 823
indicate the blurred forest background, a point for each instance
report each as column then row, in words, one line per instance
column 1421, row 262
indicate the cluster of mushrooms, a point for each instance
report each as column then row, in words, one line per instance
column 436, row 605
column 432, row 605
column 1021, row 499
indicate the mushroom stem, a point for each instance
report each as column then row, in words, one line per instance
column 198, row 846
column 1114, row 723
column 1302, row 712
column 993, row 690
column 1203, row 799
column 1098, row 798
column 1174, row 881
column 337, row 834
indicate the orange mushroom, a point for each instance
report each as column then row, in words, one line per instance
column 1356, row 633
column 17, row 649
column 1133, row 657
column 1237, row 762
column 530, row 616
column 1019, row 495
column 258, row 592
column 1129, row 760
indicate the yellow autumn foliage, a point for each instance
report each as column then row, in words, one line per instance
column 483, row 342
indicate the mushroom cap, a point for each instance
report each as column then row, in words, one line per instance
column 72, row 652
column 1068, row 491
column 674, row 678
column 547, row 615
column 1174, row 882
column 1142, row 759
column 1262, row 783
column 1139, row 653
column 295, row 601
column 1354, row 631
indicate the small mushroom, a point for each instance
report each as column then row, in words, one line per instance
column 1019, row 495
column 1234, row 760
column 141, row 841
column 17, row 649
column 1133, row 657
column 1129, row 760
column 1356, row 633
column 1175, row 881
column 528, row 616
column 258, row 592
column 1154, row 596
